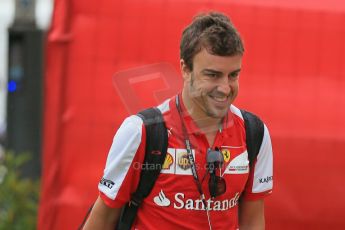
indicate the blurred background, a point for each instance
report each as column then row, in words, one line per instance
column 71, row 71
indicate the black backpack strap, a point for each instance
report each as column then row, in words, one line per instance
column 254, row 134
column 155, row 152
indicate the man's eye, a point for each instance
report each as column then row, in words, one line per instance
column 211, row 75
column 234, row 75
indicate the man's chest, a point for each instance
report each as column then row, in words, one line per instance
column 176, row 173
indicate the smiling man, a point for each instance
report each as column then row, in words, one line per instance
column 210, row 87
column 207, row 180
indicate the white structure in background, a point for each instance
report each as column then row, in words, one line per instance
column 43, row 12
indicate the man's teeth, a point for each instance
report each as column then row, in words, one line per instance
column 220, row 99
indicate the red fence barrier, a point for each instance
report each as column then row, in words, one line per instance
column 293, row 77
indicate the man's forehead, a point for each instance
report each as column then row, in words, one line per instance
column 206, row 61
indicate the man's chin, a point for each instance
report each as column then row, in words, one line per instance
column 218, row 114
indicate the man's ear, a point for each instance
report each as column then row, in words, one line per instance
column 185, row 71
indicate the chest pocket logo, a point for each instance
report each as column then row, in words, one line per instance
column 226, row 155
column 239, row 165
column 176, row 162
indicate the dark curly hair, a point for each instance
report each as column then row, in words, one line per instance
column 214, row 32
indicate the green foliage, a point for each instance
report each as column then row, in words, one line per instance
column 18, row 195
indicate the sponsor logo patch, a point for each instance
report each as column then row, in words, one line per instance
column 182, row 166
column 161, row 200
column 183, row 161
column 226, row 155
column 176, row 162
column 168, row 161
column 266, row 179
column 107, row 183
column 238, row 165
column 168, row 168
column 180, row 201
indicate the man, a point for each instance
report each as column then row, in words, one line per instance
column 201, row 121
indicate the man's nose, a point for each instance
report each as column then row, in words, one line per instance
column 224, row 86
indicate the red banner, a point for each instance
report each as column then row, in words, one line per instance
column 108, row 59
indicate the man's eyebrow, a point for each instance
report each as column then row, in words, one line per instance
column 219, row 72
column 211, row 71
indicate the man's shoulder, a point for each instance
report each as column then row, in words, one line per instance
column 240, row 111
column 137, row 119
column 131, row 125
column 165, row 106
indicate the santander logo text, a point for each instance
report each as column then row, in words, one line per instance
column 181, row 202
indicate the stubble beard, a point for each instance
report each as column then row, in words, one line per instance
column 201, row 100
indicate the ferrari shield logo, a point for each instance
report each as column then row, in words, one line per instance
column 226, row 154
